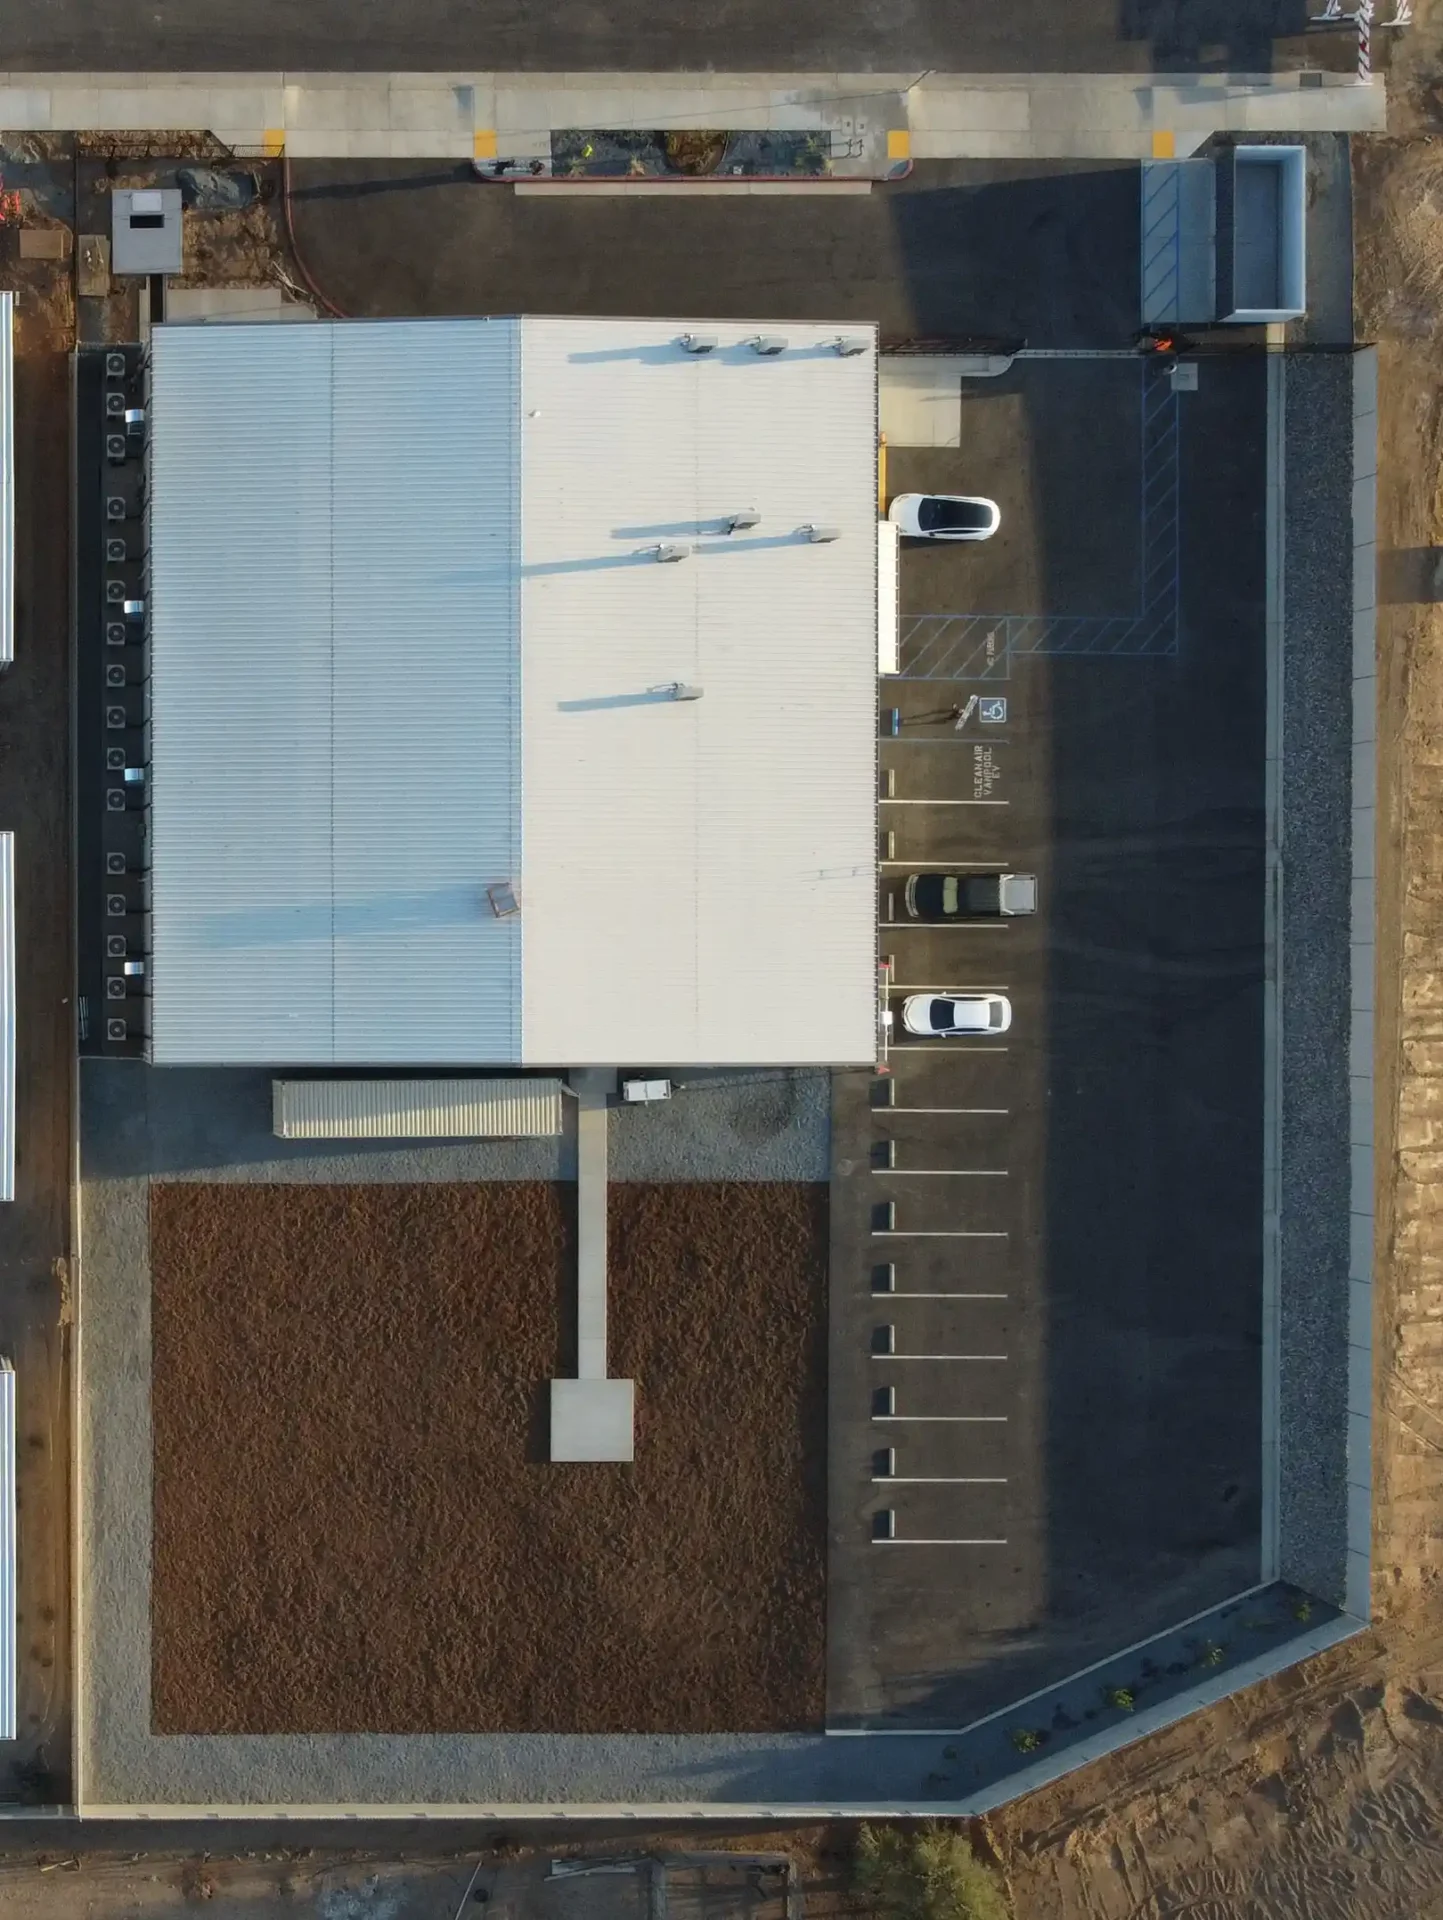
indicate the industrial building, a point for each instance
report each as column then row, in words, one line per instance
column 486, row 661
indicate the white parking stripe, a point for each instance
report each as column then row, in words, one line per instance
column 940, row 1296
column 940, row 1419
column 888, row 800
column 948, row 1173
column 1002, row 1110
column 938, row 926
column 936, row 1480
column 919, row 865
column 926, row 1046
column 939, row 1356
column 930, row 1233
column 939, row 1543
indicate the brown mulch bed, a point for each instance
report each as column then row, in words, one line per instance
column 356, row 1528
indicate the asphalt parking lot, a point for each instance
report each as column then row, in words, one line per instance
column 1085, row 36
column 1047, row 1244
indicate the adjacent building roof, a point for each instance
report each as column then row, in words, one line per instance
column 410, row 640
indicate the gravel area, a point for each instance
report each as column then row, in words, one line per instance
column 214, row 1124
column 400, row 1555
column 1316, row 830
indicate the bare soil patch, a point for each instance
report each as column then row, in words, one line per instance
column 356, row 1526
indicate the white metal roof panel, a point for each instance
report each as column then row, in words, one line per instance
column 521, row 1108
column 699, row 875
column 333, row 762
column 403, row 635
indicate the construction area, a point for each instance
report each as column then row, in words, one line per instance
column 739, row 1404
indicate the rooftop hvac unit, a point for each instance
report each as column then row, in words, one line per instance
column 115, row 758
column 114, row 504
column 115, row 988
column 768, row 345
column 115, row 368
column 115, row 717
column 115, row 550
column 846, row 347
column 115, row 633
column 115, row 946
column 115, row 591
column 115, row 907
column 115, row 799
column 116, row 449
column 739, row 522
column 116, row 1030
column 115, row 675
column 115, row 406
column 820, row 535
column 698, row 343
column 115, row 863
column 667, row 551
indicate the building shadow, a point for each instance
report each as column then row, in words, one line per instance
column 1212, row 36
column 1410, row 576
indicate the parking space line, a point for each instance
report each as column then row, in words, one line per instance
column 982, row 866
column 1001, row 1110
column 938, row 1543
column 937, row 1233
column 934, row 986
column 930, row 926
column 939, row 1356
column 948, row 1173
column 937, row 1480
column 886, row 800
column 940, row 1296
column 940, row 1419
column 926, row 1046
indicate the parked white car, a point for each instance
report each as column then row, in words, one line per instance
column 945, row 516
column 944, row 1013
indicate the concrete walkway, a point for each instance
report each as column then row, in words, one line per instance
column 877, row 121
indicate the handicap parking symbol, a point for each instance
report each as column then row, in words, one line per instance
column 992, row 711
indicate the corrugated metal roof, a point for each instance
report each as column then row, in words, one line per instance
column 416, row 1109
column 9, row 1618
column 398, row 582
column 7, row 1016
column 7, row 478
column 334, row 762
column 700, row 878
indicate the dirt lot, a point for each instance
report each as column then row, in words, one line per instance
column 356, row 1525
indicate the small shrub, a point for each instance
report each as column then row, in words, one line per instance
column 1303, row 1610
column 1212, row 1654
column 1122, row 1698
column 928, row 1874
column 1026, row 1739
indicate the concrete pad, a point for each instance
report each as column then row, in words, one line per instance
column 592, row 1419
column 233, row 303
column 920, row 405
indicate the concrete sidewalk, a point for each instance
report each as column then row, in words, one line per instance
column 878, row 122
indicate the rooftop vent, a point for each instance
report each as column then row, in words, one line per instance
column 846, row 346
column 768, row 345
column 739, row 522
column 698, row 343
column 667, row 550
column 818, row 534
